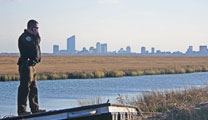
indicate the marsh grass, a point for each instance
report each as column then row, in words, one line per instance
column 174, row 104
column 9, row 77
column 102, row 74
column 84, row 67
column 178, row 104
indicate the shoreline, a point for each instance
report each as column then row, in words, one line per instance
column 106, row 74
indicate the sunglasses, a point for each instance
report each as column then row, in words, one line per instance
column 35, row 27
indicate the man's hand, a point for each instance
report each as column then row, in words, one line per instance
column 33, row 31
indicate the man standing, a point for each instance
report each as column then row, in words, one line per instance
column 30, row 55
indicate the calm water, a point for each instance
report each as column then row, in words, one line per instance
column 60, row 94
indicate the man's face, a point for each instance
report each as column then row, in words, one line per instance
column 35, row 28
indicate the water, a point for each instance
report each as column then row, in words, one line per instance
column 59, row 94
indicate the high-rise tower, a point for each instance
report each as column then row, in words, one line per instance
column 71, row 44
column 98, row 47
column 143, row 50
column 104, row 48
column 128, row 49
column 55, row 49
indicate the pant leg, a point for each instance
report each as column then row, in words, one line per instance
column 33, row 95
column 24, row 87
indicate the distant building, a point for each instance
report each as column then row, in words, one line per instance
column 104, row 48
column 92, row 50
column 55, row 49
column 84, row 51
column 153, row 50
column 62, row 52
column 121, row 51
column 158, row 51
column 146, row 51
column 143, row 50
column 98, row 47
column 71, row 44
column 128, row 49
column 203, row 49
column 176, row 53
column 189, row 50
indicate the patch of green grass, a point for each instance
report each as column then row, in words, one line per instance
column 101, row 74
column 114, row 74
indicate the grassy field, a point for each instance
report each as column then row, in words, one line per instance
column 62, row 67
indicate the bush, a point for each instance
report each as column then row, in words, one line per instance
column 140, row 72
column 63, row 76
column 42, row 77
column 189, row 70
column 1, row 78
column 170, row 71
column 17, row 77
column 149, row 72
column 53, row 76
column 162, row 71
column 188, row 114
column 205, row 69
column 133, row 73
column 180, row 70
column 83, row 75
column 90, row 75
column 4, row 78
column 114, row 74
column 98, row 74
column 198, row 69
column 71, row 75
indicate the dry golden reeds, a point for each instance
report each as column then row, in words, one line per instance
column 173, row 104
column 67, row 67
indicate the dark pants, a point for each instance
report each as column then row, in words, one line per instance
column 27, row 89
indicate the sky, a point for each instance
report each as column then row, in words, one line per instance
column 167, row 25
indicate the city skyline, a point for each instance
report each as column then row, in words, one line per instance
column 102, row 49
column 166, row 25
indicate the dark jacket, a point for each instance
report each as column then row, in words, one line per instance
column 29, row 49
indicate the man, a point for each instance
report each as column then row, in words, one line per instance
column 30, row 55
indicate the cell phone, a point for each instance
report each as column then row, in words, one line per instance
column 33, row 29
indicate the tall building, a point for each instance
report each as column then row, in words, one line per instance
column 92, row 50
column 203, row 49
column 55, row 49
column 128, row 49
column 104, row 48
column 98, row 47
column 153, row 50
column 71, row 44
column 84, row 49
column 143, row 50
column 189, row 50
column 121, row 51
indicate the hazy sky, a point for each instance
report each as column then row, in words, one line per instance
column 168, row 25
